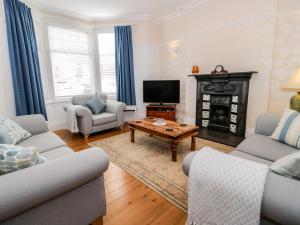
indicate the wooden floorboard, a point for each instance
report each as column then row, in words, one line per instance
column 129, row 201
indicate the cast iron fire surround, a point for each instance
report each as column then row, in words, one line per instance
column 221, row 107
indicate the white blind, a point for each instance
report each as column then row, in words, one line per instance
column 106, row 43
column 71, row 61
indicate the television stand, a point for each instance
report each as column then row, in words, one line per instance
column 162, row 104
column 167, row 111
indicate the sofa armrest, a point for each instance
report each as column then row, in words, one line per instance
column 266, row 124
column 81, row 111
column 281, row 200
column 34, row 124
column 117, row 108
column 83, row 116
column 84, row 119
column 27, row 188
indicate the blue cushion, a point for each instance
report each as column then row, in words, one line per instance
column 4, row 136
column 13, row 158
column 96, row 105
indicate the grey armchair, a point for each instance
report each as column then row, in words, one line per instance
column 88, row 123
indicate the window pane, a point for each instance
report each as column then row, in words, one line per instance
column 71, row 62
column 71, row 74
column 107, row 64
column 68, row 40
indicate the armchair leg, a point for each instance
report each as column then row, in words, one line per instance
column 86, row 137
column 98, row 221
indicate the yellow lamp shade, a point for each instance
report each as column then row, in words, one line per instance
column 293, row 83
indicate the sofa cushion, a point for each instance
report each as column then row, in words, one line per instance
column 57, row 153
column 288, row 129
column 104, row 118
column 13, row 158
column 16, row 133
column 96, row 105
column 251, row 157
column 4, row 137
column 288, row 166
column 43, row 142
column 264, row 147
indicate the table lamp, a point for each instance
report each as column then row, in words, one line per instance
column 294, row 85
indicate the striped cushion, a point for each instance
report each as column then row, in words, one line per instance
column 288, row 129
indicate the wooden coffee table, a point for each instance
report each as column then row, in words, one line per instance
column 178, row 133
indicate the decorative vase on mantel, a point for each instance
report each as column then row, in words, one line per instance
column 195, row 69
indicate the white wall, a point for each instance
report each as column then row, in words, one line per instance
column 242, row 36
column 146, row 46
column 286, row 53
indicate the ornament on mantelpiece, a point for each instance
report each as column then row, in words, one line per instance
column 195, row 69
column 219, row 69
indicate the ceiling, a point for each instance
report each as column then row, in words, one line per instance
column 100, row 10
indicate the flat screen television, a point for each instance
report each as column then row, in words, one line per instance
column 161, row 91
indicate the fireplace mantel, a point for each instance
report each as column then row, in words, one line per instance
column 221, row 106
column 235, row 75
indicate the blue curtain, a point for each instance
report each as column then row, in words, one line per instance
column 124, row 65
column 25, row 67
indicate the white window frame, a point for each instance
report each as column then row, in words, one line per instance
column 92, row 49
column 97, row 56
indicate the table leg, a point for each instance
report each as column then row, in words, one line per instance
column 132, row 135
column 193, row 143
column 174, row 150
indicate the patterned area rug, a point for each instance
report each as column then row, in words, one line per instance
column 149, row 160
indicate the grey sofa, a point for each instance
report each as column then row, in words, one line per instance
column 88, row 123
column 66, row 189
column 281, row 200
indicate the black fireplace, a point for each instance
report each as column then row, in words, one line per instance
column 221, row 108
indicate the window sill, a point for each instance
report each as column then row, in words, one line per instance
column 58, row 100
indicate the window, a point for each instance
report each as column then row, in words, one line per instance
column 71, row 61
column 106, row 43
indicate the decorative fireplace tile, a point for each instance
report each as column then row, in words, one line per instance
column 206, row 105
column 235, row 99
column 205, row 114
column 205, row 123
column 234, row 108
column 233, row 118
column 233, row 128
column 206, row 97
